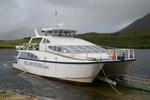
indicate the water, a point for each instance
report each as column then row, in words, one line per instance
column 142, row 63
column 27, row 84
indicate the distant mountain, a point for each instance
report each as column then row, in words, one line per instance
column 17, row 34
column 135, row 35
column 139, row 24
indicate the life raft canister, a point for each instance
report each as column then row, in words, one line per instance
column 112, row 53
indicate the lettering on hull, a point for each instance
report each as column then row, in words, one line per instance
column 34, row 64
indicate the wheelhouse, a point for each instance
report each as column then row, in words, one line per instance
column 58, row 32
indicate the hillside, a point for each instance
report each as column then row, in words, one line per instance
column 17, row 34
column 142, row 23
column 136, row 35
column 12, row 43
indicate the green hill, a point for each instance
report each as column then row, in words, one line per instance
column 12, row 43
column 136, row 35
column 140, row 24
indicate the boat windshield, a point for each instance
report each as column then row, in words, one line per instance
column 78, row 49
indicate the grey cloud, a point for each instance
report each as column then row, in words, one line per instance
column 83, row 15
column 105, row 15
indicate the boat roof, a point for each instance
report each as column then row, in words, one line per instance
column 59, row 40
column 67, row 41
column 56, row 29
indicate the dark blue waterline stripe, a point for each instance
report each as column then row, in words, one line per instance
column 113, row 61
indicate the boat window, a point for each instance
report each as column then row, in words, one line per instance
column 55, row 48
column 66, row 32
column 23, row 54
column 50, row 32
column 72, row 47
column 46, row 41
column 50, row 47
column 36, row 40
column 60, row 31
column 81, row 47
column 72, row 33
column 78, row 49
column 89, row 47
column 66, row 50
column 31, row 55
column 55, row 31
column 96, row 51
column 86, row 49
column 28, row 55
column 59, row 49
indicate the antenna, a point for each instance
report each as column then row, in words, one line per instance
column 55, row 19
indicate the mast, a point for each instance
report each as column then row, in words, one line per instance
column 55, row 19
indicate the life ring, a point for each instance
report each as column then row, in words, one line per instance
column 112, row 53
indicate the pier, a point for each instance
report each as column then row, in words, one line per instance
column 130, row 81
column 136, row 82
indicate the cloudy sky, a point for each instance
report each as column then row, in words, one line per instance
column 83, row 15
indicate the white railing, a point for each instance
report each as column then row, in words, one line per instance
column 121, row 54
column 32, row 46
column 110, row 54
column 139, row 80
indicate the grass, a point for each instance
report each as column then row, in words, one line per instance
column 12, row 43
column 139, row 38
column 132, row 39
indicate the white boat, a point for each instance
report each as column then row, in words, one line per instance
column 58, row 55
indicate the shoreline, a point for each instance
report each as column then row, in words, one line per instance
column 9, row 95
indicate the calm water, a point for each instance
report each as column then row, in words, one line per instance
column 142, row 63
column 23, row 83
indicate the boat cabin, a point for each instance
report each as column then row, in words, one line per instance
column 58, row 32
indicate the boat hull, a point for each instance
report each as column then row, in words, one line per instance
column 117, row 68
column 80, row 72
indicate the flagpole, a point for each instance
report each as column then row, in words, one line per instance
column 55, row 19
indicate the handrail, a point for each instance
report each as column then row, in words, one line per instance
column 122, row 54
column 25, row 46
column 119, row 54
column 138, row 80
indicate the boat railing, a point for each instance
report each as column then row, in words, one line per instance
column 119, row 54
column 124, row 54
column 113, row 54
column 25, row 46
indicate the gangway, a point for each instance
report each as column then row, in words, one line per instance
column 136, row 81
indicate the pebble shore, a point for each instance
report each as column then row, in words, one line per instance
column 8, row 95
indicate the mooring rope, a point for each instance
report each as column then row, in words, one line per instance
column 108, row 80
column 113, row 86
